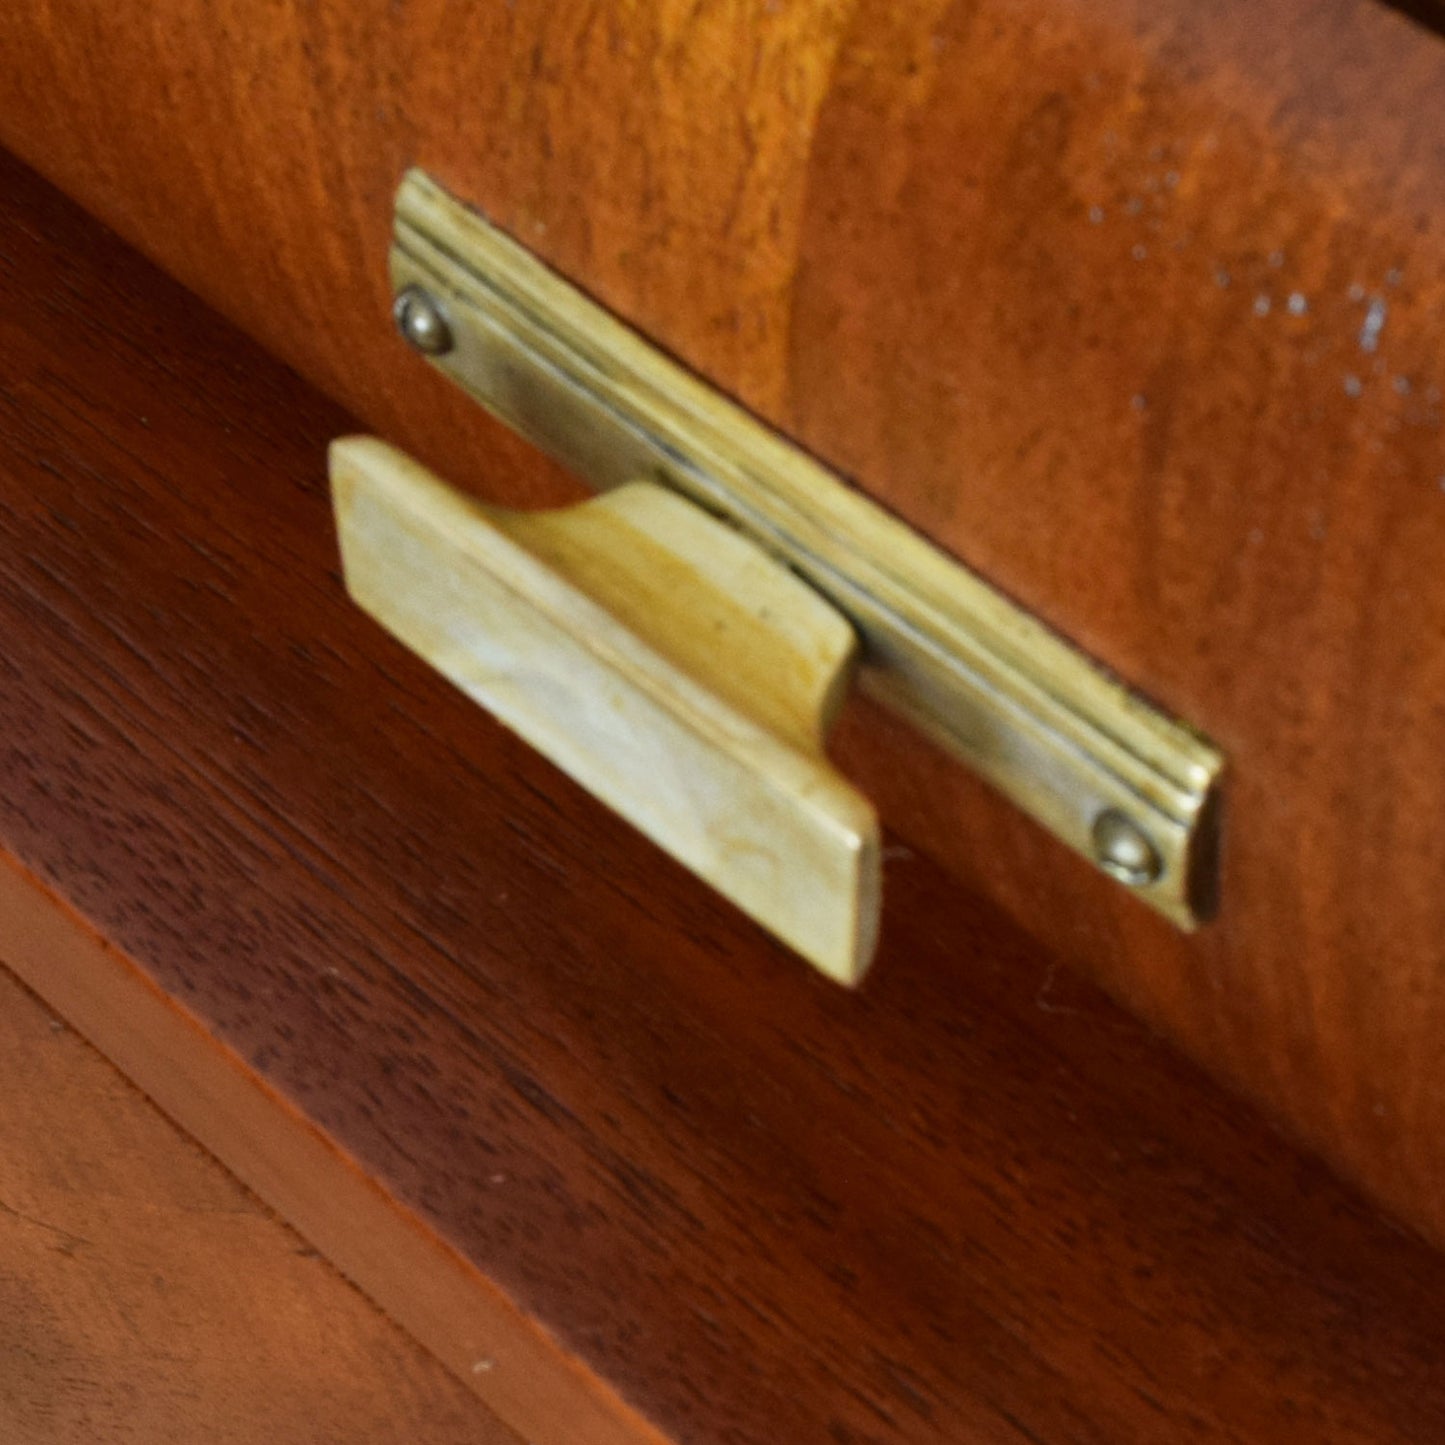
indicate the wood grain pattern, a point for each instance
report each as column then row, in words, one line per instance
column 972, row 1202
column 307, row 1174
column 145, row 1295
column 1136, row 307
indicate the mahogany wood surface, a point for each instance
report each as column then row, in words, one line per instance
column 306, row 1175
column 145, row 1295
column 1135, row 306
column 533, row 1087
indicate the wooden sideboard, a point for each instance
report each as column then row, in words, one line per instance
column 620, row 1162
column 1136, row 307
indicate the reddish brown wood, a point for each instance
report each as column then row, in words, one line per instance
column 307, row 1174
column 1080, row 290
column 145, row 1295
column 975, row 1202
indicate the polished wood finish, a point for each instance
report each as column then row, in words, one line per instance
column 530, row 1083
column 145, row 1295
column 306, row 1173
column 1136, row 307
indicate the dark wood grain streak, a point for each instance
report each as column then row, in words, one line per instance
column 307, row 1175
column 975, row 1202
column 145, row 1295
column 1429, row 13
column 1085, row 292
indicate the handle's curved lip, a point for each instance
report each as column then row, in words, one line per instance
column 770, row 826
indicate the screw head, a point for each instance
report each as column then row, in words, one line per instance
column 1125, row 851
column 423, row 323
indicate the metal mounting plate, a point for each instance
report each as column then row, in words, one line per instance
column 1127, row 787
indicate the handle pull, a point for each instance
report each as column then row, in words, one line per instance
column 667, row 664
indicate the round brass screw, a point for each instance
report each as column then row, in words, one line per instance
column 1125, row 850
column 421, row 320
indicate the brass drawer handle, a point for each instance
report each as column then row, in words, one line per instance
column 668, row 664
column 1119, row 781
column 763, row 816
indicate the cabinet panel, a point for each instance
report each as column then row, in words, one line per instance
column 581, row 1121
column 1136, row 308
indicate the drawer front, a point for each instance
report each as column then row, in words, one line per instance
column 1138, row 315
column 622, row 1163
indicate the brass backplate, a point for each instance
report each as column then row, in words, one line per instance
column 1124, row 785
